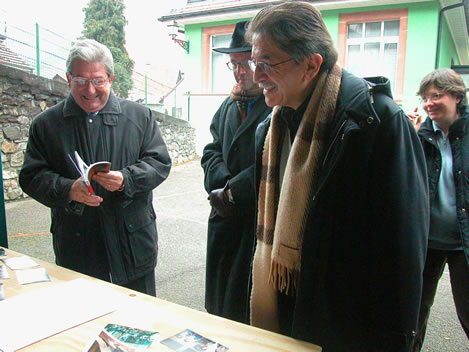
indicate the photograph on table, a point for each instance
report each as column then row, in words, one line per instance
column 119, row 338
column 190, row 341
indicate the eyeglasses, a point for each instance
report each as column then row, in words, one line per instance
column 234, row 66
column 264, row 66
column 433, row 97
column 83, row 82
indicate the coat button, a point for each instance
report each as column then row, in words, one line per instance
column 131, row 227
column 430, row 139
column 77, row 234
column 370, row 120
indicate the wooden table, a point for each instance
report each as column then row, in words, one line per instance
column 147, row 313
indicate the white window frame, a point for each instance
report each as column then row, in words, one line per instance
column 382, row 40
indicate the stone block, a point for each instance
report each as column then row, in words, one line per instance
column 16, row 159
column 23, row 120
column 8, row 147
column 9, row 174
column 11, row 111
column 12, row 133
column 13, row 194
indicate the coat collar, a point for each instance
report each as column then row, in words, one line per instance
column 256, row 113
column 71, row 108
column 110, row 113
column 459, row 128
column 355, row 97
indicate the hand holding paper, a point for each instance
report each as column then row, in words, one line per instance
column 87, row 172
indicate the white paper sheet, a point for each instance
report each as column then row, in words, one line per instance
column 29, row 276
column 48, row 311
column 21, row 262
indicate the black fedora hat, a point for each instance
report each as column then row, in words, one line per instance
column 238, row 44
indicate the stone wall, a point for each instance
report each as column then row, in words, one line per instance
column 23, row 96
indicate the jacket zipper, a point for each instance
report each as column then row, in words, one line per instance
column 339, row 132
column 333, row 142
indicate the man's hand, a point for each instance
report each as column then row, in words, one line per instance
column 79, row 193
column 219, row 201
column 112, row 180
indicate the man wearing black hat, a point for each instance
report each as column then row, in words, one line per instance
column 228, row 164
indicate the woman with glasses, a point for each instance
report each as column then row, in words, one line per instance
column 445, row 139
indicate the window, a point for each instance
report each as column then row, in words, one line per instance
column 216, row 77
column 372, row 49
column 373, row 44
column 220, row 76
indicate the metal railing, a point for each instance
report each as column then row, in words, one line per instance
column 37, row 50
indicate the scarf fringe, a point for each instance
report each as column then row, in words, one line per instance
column 283, row 279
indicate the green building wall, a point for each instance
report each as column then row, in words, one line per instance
column 421, row 46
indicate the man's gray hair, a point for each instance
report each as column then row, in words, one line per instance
column 91, row 51
column 298, row 29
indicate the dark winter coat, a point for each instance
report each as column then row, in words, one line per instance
column 459, row 139
column 229, row 245
column 365, row 238
column 130, row 139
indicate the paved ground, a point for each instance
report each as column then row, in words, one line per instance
column 182, row 211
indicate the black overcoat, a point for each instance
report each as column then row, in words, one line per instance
column 365, row 238
column 124, row 133
column 229, row 245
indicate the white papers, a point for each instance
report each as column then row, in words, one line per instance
column 28, row 276
column 22, row 262
column 4, row 272
column 65, row 305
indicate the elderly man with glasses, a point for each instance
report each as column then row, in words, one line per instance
column 342, row 195
column 228, row 163
column 109, row 232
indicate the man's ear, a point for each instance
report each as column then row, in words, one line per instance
column 69, row 80
column 313, row 64
column 110, row 79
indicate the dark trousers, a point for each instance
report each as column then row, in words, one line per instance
column 459, row 276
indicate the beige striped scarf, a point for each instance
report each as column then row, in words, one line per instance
column 280, row 225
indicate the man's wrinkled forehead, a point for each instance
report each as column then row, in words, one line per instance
column 263, row 48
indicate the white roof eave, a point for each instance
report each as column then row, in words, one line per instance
column 457, row 24
column 238, row 12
